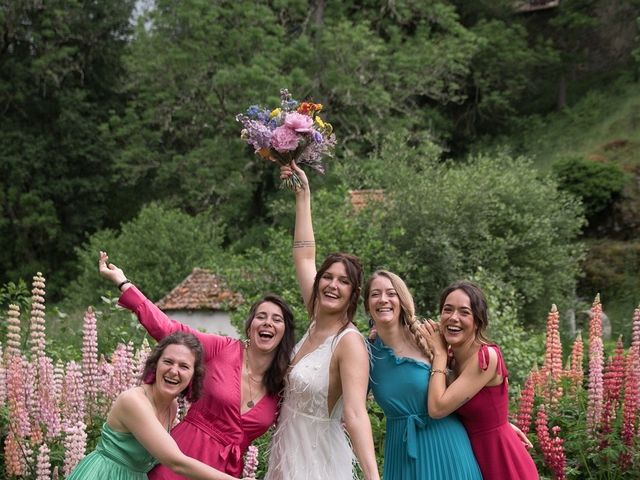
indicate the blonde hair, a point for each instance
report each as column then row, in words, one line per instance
column 407, row 306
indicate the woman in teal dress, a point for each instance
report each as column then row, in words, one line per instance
column 135, row 436
column 416, row 447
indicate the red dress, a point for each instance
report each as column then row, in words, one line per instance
column 498, row 450
column 213, row 431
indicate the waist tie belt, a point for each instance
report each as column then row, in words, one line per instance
column 413, row 422
column 230, row 453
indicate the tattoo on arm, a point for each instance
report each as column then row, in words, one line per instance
column 303, row 243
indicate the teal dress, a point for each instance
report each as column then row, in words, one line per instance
column 118, row 456
column 416, row 446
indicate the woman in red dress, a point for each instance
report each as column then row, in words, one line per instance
column 242, row 384
column 479, row 393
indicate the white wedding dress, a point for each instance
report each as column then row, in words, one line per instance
column 310, row 444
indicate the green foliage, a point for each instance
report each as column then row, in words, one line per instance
column 57, row 84
column 156, row 250
column 444, row 220
column 596, row 184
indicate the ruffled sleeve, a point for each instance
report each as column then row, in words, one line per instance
column 483, row 359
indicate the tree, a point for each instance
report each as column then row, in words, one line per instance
column 60, row 72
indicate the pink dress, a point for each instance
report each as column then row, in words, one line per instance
column 498, row 450
column 213, row 431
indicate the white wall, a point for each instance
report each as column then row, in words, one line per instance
column 205, row 320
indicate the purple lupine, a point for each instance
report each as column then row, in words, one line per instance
column 43, row 464
column 73, row 406
column 75, row 444
column 37, row 322
column 90, row 357
column 250, row 462
column 13, row 331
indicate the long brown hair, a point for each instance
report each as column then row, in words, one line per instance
column 354, row 273
column 478, row 302
column 273, row 379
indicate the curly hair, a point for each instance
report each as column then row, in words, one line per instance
column 193, row 391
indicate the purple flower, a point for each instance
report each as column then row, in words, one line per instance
column 284, row 139
column 317, row 136
column 258, row 134
column 298, row 122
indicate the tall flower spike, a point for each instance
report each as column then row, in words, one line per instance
column 596, row 359
column 576, row 372
column 630, row 409
column 75, row 443
column 552, row 367
column 3, row 379
column 552, row 447
column 250, row 462
column 613, row 379
column 523, row 418
column 73, row 406
column 13, row 331
column 43, row 466
column 635, row 331
column 37, row 321
column 90, row 357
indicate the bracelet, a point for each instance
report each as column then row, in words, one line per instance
column 437, row 370
column 121, row 284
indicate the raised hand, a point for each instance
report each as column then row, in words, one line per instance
column 109, row 270
column 430, row 332
column 287, row 171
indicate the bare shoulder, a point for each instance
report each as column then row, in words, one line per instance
column 131, row 399
column 351, row 344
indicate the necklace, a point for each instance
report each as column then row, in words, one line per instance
column 155, row 407
column 250, row 403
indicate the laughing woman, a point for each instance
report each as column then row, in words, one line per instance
column 329, row 373
column 417, row 447
column 135, row 436
column 241, row 391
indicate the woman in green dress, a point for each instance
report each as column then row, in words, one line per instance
column 135, row 436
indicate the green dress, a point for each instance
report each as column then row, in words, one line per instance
column 118, row 456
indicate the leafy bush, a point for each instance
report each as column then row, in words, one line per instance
column 596, row 184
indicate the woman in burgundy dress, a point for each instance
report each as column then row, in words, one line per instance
column 479, row 393
column 242, row 384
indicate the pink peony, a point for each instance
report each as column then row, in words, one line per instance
column 298, row 122
column 284, row 139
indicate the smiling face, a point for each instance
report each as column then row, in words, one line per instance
column 267, row 327
column 175, row 369
column 456, row 317
column 334, row 288
column 383, row 302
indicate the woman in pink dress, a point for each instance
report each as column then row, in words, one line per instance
column 242, row 384
column 479, row 393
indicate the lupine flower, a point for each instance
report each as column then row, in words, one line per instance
column 552, row 447
column 596, row 358
column 576, row 372
column 43, row 465
column 635, row 329
column 13, row 331
column 14, row 460
column 75, row 443
column 121, row 373
column 250, row 462
column 630, row 408
column 140, row 358
column 37, row 322
column 552, row 367
column 523, row 418
column 3, row 380
column 612, row 383
column 73, row 406
column 48, row 413
column 17, row 397
column 90, row 357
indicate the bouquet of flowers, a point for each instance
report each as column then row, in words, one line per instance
column 294, row 131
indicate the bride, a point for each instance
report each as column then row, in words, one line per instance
column 329, row 373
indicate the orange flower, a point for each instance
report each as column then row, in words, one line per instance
column 307, row 108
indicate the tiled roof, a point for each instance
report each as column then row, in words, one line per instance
column 359, row 198
column 201, row 290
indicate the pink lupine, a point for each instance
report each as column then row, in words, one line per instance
column 635, row 330
column 13, row 331
column 552, row 367
column 250, row 462
column 121, row 373
column 43, row 464
column 73, row 406
column 630, row 408
column 140, row 358
column 523, row 418
column 37, row 323
column 58, row 380
column 552, row 447
column 15, row 464
column 576, row 372
column 75, row 443
column 90, row 357
column 3, row 380
column 48, row 412
column 612, row 384
column 596, row 359
column 17, row 397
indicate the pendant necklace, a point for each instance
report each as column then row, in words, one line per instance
column 250, row 403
